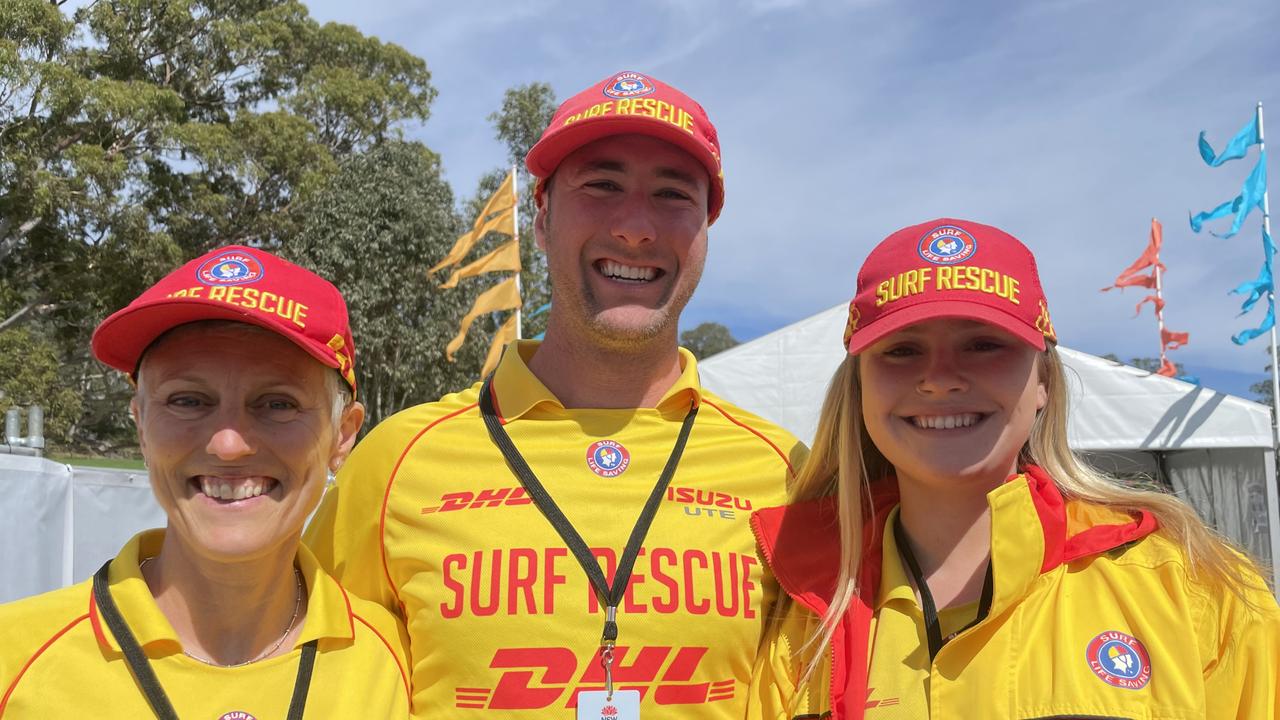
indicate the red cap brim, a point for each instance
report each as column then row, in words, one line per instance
column 121, row 339
column 892, row 322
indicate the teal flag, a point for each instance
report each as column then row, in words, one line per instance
column 1235, row 149
column 1257, row 289
column 1263, row 287
column 1255, row 186
column 1268, row 322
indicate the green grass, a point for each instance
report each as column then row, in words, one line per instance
column 100, row 462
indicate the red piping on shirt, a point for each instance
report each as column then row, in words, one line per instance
column 404, row 678
column 386, row 496
column 755, row 432
column 4, row 701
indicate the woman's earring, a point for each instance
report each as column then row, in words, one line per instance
column 330, row 478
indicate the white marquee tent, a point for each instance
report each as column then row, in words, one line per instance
column 1213, row 449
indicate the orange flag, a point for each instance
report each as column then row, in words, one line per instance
column 1167, row 368
column 505, row 258
column 1174, row 340
column 1154, row 300
column 505, row 334
column 502, row 296
column 498, row 216
column 1150, row 258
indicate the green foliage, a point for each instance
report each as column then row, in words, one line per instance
column 29, row 376
column 135, row 134
column 373, row 230
column 707, row 339
column 1263, row 391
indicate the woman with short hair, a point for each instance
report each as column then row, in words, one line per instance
column 244, row 369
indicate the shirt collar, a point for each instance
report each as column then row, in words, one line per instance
column 328, row 608
column 517, row 390
column 894, row 584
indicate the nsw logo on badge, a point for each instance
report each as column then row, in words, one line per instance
column 608, row 458
column 1120, row 660
column 597, row 705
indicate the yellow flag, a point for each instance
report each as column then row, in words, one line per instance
column 498, row 215
column 502, row 296
column 505, row 258
column 505, row 334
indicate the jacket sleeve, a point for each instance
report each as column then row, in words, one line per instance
column 777, row 691
column 346, row 532
column 1242, row 673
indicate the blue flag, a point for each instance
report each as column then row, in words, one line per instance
column 1264, row 286
column 1268, row 322
column 1255, row 186
column 1257, row 289
column 1235, row 149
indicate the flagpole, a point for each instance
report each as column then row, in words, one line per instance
column 1271, row 298
column 515, row 222
column 1159, row 303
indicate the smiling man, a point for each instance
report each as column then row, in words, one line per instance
column 577, row 523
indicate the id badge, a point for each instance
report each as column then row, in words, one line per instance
column 595, row 705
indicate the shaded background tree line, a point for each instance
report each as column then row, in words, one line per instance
column 138, row 134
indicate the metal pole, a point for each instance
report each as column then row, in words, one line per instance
column 515, row 223
column 1159, row 300
column 1271, row 299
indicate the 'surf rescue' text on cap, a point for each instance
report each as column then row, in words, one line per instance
column 630, row 102
column 240, row 284
column 948, row 268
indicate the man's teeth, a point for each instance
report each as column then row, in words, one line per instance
column 232, row 488
column 945, row 422
column 627, row 272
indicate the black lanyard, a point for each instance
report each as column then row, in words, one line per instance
column 933, row 628
column 610, row 596
column 140, row 665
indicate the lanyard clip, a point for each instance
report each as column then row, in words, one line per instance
column 607, row 641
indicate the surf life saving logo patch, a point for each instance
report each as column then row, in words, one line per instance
column 607, row 458
column 947, row 245
column 237, row 715
column 230, row 268
column 629, row 85
column 1119, row 660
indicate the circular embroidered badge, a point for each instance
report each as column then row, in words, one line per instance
column 607, row 458
column 629, row 85
column 947, row 245
column 237, row 715
column 230, row 268
column 1119, row 660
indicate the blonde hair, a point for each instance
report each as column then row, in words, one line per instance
column 845, row 463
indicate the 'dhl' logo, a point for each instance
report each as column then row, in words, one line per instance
column 538, row 678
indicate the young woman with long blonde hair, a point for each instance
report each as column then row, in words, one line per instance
column 946, row 555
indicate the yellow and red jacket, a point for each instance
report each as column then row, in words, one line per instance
column 1071, row 580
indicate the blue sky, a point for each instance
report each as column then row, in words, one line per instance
column 1070, row 123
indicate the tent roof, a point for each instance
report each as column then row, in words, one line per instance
column 1113, row 406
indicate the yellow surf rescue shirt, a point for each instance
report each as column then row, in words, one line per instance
column 59, row 660
column 427, row 519
column 898, row 654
